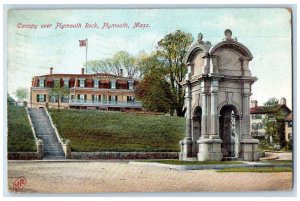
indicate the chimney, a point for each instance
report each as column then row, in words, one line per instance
column 253, row 103
column 121, row 72
column 82, row 71
column 282, row 101
column 51, row 70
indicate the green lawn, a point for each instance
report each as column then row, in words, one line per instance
column 20, row 137
column 258, row 169
column 90, row 131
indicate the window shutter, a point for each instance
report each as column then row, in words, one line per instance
column 116, row 98
column 44, row 83
column 84, row 96
column 37, row 98
column 45, row 98
column 99, row 97
column 78, row 96
column 109, row 98
column 93, row 97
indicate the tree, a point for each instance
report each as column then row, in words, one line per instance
column 170, row 53
column 10, row 100
column 271, row 101
column 21, row 93
column 274, row 122
column 58, row 92
column 121, row 60
column 154, row 91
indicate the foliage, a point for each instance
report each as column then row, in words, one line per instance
column 58, row 91
column 154, row 91
column 20, row 137
column 289, row 145
column 21, row 93
column 274, row 122
column 10, row 100
column 258, row 169
column 271, row 101
column 121, row 60
column 167, row 66
column 274, row 127
column 90, row 130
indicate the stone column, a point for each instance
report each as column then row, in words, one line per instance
column 67, row 149
column 246, row 116
column 204, row 93
column 40, row 152
column 249, row 145
column 213, row 110
column 245, row 66
column 213, row 66
column 209, row 143
column 187, row 143
column 206, row 66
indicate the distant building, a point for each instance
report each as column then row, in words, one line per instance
column 288, row 129
column 100, row 91
column 258, row 113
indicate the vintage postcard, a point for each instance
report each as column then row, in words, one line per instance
column 149, row 100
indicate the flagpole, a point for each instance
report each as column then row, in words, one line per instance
column 86, row 49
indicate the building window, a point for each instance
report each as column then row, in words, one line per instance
column 290, row 124
column 96, row 98
column 256, row 116
column 260, row 125
column 130, row 99
column 53, row 99
column 289, row 136
column 113, row 98
column 254, row 126
column 65, row 99
column 41, row 98
column 66, row 83
column 113, row 84
column 130, row 85
column 41, row 83
column 96, row 83
column 82, row 83
column 81, row 97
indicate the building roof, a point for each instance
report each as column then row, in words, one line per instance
column 268, row 109
column 53, row 76
column 289, row 117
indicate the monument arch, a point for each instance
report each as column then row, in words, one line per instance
column 219, row 82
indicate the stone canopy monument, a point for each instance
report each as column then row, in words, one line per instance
column 217, row 99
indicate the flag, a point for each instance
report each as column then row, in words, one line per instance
column 82, row 43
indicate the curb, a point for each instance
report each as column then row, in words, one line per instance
column 207, row 167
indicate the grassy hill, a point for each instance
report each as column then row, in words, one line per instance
column 116, row 131
column 20, row 137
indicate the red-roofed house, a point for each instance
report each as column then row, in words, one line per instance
column 87, row 91
column 258, row 113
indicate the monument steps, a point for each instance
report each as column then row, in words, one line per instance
column 52, row 148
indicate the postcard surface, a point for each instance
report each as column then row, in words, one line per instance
column 149, row 100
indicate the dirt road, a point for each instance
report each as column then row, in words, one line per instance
column 124, row 177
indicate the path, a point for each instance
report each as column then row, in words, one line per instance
column 100, row 176
column 43, row 129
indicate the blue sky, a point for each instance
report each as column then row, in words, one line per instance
column 266, row 32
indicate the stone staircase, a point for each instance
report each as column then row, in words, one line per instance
column 52, row 148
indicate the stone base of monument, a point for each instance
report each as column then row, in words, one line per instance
column 249, row 150
column 186, row 147
column 209, row 149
